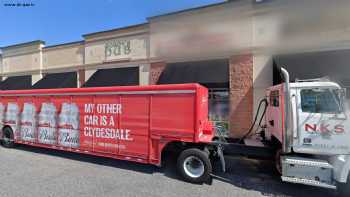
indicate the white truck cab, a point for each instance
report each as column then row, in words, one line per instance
column 310, row 120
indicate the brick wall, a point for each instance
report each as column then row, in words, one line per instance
column 241, row 94
column 156, row 70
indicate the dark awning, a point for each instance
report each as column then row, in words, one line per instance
column 17, row 83
column 211, row 73
column 332, row 64
column 114, row 77
column 57, row 80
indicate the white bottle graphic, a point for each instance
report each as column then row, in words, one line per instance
column 68, row 123
column 11, row 117
column 28, row 122
column 2, row 115
column 47, row 124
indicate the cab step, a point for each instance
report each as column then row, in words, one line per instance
column 307, row 162
column 308, row 182
column 308, row 171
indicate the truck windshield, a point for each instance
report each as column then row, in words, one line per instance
column 321, row 100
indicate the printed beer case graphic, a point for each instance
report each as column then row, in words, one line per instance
column 47, row 124
column 2, row 111
column 28, row 122
column 59, row 124
column 11, row 117
column 68, row 124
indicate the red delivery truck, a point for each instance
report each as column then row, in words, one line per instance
column 131, row 123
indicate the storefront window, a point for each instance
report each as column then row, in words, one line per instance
column 219, row 109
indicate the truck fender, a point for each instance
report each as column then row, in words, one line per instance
column 1, row 127
column 341, row 165
column 346, row 169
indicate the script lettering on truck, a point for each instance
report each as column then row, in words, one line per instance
column 103, row 122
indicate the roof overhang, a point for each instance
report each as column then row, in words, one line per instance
column 119, row 32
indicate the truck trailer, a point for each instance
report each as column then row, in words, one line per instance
column 133, row 123
column 303, row 127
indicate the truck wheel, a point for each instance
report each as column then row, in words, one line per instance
column 194, row 165
column 344, row 188
column 8, row 138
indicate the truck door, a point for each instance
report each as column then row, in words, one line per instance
column 321, row 122
column 274, row 114
column 104, row 124
column 85, row 105
column 134, row 126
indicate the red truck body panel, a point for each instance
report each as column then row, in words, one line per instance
column 128, row 122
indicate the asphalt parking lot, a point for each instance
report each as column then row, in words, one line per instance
column 28, row 171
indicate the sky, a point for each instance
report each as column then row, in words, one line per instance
column 62, row 21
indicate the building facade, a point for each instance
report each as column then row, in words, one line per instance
column 233, row 48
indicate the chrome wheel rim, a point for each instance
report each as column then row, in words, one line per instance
column 193, row 167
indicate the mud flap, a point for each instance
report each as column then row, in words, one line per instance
column 221, row 156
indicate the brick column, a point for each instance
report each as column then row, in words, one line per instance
column 241, row 94
column 80, row 78
column 156, row 70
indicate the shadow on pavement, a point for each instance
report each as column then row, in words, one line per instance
column 242, row 172
column 261, row 176
column 139, row 167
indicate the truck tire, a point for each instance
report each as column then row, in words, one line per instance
column 194, row 165
column 8, row 137
column 344, row 188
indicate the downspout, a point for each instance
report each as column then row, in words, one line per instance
column 287, row 127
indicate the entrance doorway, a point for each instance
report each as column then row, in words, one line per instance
column 213, row 74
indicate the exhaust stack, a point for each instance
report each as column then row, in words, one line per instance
column 287, row 130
